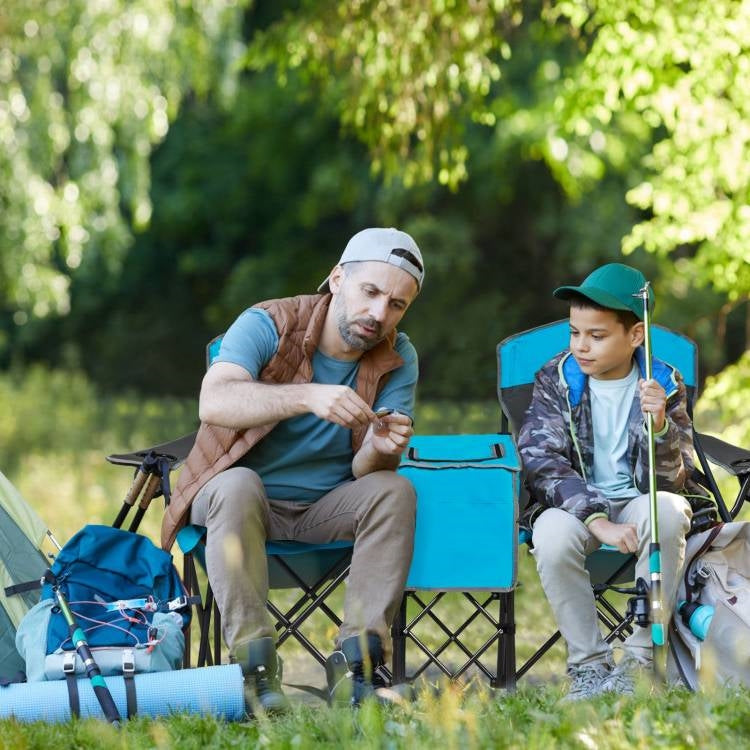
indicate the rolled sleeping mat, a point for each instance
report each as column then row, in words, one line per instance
column 215, row 691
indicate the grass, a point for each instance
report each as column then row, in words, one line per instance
column 53, row 450
column 442, row 717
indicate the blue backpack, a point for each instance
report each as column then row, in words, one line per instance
column 125, row 594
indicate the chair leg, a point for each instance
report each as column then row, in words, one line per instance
column 538, row 654
column 217, row 634
column 506, row 646
column 289, row 623
column 398, row 636
column 205, row 658
column 202, row 614
column 188, row 581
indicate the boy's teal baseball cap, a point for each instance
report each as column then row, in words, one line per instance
column 614, row 286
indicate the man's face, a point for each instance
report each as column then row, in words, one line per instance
column 601, row 345
column 369, row 300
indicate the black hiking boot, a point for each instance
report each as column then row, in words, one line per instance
column 353, row 674
column 261, row 668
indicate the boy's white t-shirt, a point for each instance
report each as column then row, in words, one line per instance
column 610, row 408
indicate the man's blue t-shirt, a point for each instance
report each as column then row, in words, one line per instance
column 305, row 457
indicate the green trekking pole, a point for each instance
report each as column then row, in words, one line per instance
column 654, row 550
column 92, row 668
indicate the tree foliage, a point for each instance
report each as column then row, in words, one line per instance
column 514, row 140
column 683, row 70
column 660, row 89
column 655, row 93
column 406, row 77
column 87, row 88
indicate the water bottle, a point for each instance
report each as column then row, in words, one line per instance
column 697, row 617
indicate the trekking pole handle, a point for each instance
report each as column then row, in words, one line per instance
column 136, row 487
column 151, row 489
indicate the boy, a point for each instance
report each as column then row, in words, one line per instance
column 584, row 447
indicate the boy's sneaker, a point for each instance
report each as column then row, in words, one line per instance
column 587, row 680
column 626, row 673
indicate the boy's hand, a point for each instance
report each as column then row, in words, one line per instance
column 620, row 535
column 654, row 401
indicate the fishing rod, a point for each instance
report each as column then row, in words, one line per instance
column 654, row 550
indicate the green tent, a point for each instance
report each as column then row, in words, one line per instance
column 22, row 534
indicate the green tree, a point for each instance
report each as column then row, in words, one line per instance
column 658, row 89
column 654, row 92
column 87, row 88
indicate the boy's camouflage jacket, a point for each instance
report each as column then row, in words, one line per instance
column 557, row 447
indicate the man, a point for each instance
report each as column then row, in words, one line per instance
column 290, row 447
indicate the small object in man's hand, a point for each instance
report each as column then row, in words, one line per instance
column 380, row 427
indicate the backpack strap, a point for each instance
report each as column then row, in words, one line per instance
column 22, row 588
column 71, row 680
column 128, row 675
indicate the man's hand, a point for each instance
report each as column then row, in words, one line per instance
column 338, row 404
column 391, row 434
column 620, row 535
column 653, row 401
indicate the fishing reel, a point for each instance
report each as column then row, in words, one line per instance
column 638, row 606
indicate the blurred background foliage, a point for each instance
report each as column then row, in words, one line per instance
column 165, row 164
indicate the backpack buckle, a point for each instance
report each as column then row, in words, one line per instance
column 179, row 603
column 69, row 662
column 128, row 662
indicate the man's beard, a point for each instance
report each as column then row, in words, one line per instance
column 353, row 339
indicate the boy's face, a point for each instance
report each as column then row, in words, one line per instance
column 601, row 345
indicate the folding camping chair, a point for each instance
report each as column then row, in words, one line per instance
column 479, row 516
column 519, row 357
column 316, row 570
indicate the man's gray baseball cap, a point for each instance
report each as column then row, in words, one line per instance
column 387, row 246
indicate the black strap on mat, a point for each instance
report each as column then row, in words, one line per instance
column 130, row 695
column 71, row 681
column 128, row 676
column 74, row 699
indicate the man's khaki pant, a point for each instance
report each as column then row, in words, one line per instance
column 376, row 512
column 561, row 543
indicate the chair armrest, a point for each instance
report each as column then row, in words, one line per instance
column 731, row 458
column 175, row 451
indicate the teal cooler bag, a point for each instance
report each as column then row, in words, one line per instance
column 466, row 536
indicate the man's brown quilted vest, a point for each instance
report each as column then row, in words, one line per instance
column 299, row 322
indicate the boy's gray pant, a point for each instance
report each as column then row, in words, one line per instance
column 376, row 512
column 561, row 543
